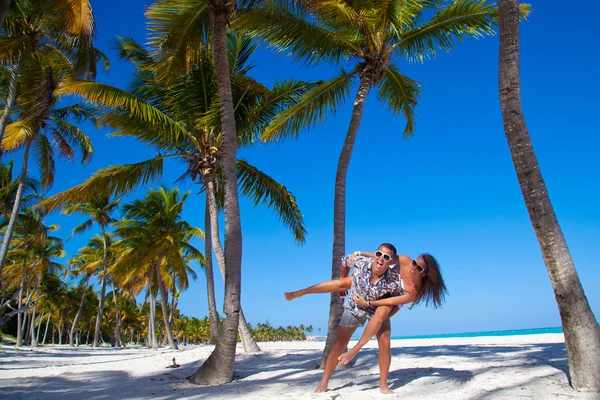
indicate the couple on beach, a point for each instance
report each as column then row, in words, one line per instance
column 377, row 291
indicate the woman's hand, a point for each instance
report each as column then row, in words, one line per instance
column 360, row 301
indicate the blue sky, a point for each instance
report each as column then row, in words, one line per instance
column 450, row 190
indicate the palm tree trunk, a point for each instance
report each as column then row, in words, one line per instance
column 39, row 328
column 47, row 324
column 163, row 303
column 32, row 325
column 117, row 319
column 79, row 310
column 210, row 281
column 153, row 341
column 250, row 345
column 12, row 86
column 582, row 334
column 10, row 229
column 20, row 315
column 218, row 368
column 339, row 210
column 60, row 326
column 102, row 291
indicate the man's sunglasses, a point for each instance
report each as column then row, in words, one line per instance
column 417, row 266
column 385, row 256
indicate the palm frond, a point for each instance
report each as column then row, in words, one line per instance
column 116, row 181
column 306, row 42
column 109, row 96
column 458, row 20
column 311, row 109
column 16, row 135
column 45, row 160
column 76, row 137
column 401, row 94
column 262, row 189
column 87, row 225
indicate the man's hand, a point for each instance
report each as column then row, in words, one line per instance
column 360, row 301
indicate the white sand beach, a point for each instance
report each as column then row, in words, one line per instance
column 509, row 367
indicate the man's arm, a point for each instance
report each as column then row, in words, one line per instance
column 390, row 301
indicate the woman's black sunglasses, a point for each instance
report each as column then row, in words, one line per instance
column 417, row 266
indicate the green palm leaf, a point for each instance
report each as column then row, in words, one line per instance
column 262, row 189
column 312, row 108
column 400, row 93
column 116, row 181
column 45, row 160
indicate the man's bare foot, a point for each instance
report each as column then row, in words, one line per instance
column 348, row 356
column 385, row 390
column 292, row 295
column 321, row 389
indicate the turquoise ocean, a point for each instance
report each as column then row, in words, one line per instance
column 511, row 332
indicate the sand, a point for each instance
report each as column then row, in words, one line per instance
column 509, row 367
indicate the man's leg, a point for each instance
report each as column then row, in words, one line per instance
column 381, row 315
column 343, row 337
column 385, row 357
column 336, row 285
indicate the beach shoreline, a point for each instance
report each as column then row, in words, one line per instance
column 523, row 366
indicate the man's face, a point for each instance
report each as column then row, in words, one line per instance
column 384, row 257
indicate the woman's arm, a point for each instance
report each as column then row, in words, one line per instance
column 390, row 301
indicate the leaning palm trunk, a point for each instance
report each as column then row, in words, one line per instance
column 79, row 310
column 248, row 341
column 117, row 318
column 210, row 281
column 582, row 334
column 163, row 303
column 102, row 293
column 152, row 325
column 10, row 229
column 12, row 88
column 39, row 328
column 20, row 315
column 33, row 313
column 47, row 325
column 218, row 368
column 339, row 210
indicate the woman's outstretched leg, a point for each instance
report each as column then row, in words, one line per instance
column 336, row 285
column 381, row 315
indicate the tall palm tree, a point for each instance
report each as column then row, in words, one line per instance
column 43, row 128
column 34, row 27
column 372, row 38
column 9, row 187
column 582, row 334
column 99, row 210
column 180, row 119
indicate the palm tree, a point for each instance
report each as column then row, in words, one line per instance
column 43, row 128
column 582, row 334
column 87, row 262
column 99, row 210
column 55, row 28
column 373, row 37
column 158, row 238
column 181, row 120
column 9, row 187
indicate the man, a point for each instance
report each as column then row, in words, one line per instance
column 372, row 279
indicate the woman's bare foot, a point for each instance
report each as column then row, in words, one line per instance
column 348, row 356
column 292, row 295
column 321, row 389
column 385, row 389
